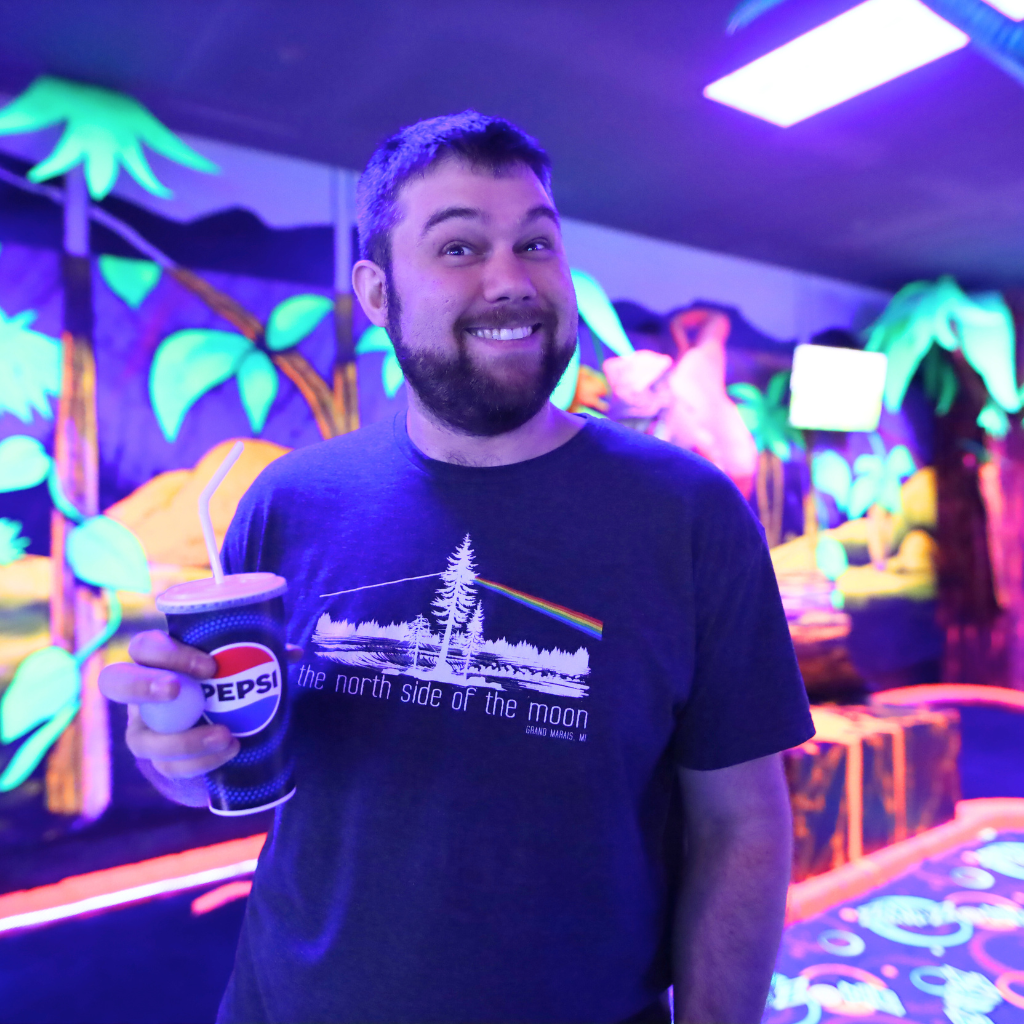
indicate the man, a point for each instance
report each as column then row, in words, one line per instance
column 529, row 639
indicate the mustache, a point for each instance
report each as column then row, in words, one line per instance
column 515, row 316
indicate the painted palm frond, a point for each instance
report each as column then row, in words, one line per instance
column 879, row 478
column 766, row 417
column 104, row 131
column 12, row 542
column 926, row 316
column 30, row 367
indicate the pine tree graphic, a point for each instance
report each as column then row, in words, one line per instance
column 474, row 635
column 453, row 603
column 420, row 631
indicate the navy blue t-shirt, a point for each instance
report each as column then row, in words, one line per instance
column 503, row 668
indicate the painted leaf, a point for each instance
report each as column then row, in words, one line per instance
column 830, row 474
column 295, row 319
column 188, row 364
column 23, row 463
column 33, row 750
column 12, row 543
column 257, row 387
column 374, row 339
column 993, row 420
column 105, row 130
column 989, row 344
column 130, row 280
column 106, row 553
column 890, row 495
column 392, row 377
column 917, row 316
column 941, row 384
column 863, row 494
column 752, row 421
column 599, row 313
column 43, row 683
column 744, row 392
column 565, row 389
column 779, row 447
column 899, row 463
column 30, row 367
column 871, row 465
column 776, row 388
column 830, row 557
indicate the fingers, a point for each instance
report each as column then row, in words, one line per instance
column 127, row 683
column 157, row 650
column 158, row 662
column 180, row 755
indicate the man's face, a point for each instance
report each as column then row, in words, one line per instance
column 480, row 304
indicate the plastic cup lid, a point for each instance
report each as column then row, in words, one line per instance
column 209, row 596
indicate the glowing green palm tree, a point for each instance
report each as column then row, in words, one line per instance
column 103, row 132
column 926, row 318
column 767, row 419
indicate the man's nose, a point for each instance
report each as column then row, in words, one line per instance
column 506, row 278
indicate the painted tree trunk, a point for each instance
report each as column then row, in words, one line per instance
column 771, row 495
column 346, row 400
column 1002, row 488
column 968, row 608
column 78, row 769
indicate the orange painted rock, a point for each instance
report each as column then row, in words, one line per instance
column 163, row 513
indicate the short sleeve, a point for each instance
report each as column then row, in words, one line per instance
column 747, row 698
column 242, row 550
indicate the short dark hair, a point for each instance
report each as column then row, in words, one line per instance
column 490, row 142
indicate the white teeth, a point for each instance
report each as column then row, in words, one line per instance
column 502, row 334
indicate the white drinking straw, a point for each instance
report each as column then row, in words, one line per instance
column 204, row 509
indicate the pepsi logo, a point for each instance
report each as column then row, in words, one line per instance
column 246, row 689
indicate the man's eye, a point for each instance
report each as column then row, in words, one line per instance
column 455, row 249
column 537, row 245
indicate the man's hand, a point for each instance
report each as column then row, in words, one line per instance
column 732, row 902
column 152, row 677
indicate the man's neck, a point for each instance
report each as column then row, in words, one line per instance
column 548, row 430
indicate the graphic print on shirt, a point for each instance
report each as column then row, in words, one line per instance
column 446, row 641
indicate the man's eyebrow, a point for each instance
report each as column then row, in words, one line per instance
column 449, row 213
column 542, row 210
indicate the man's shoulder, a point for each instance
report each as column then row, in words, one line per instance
column 641, row 460
column 335, row 458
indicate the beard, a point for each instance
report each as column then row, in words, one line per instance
column 468, row 397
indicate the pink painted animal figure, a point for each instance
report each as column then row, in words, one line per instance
column 685, row 399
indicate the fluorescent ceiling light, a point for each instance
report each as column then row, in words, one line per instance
column 870, row 44
column 1013, row 9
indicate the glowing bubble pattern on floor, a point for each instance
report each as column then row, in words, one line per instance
column 942, row 944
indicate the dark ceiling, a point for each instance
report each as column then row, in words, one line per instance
column 922, row 176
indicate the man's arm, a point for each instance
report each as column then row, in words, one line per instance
column 732, row 900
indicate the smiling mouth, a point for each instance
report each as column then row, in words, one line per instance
column 503, row 333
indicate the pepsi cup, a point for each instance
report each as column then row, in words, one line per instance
column 240, row 622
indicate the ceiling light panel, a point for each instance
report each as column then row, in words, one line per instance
column 864, row 47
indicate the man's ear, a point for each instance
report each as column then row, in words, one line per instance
column 370, row 288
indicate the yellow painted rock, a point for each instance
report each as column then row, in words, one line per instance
column 163, row 512
column 909, row 574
